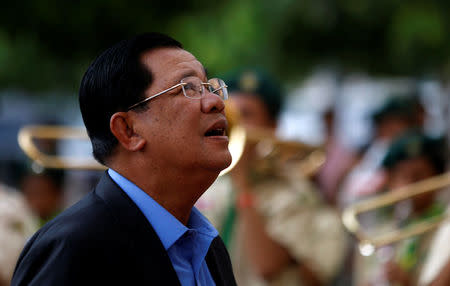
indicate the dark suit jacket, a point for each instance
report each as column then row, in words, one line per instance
column 104, row 239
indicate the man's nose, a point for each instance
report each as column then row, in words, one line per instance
column 212, row 103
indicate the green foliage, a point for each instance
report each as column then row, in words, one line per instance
column 47, row 44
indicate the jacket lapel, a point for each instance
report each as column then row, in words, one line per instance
column 145, row 246
column 219, row 263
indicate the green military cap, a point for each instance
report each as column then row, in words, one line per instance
column 415, row 144
column 399, row 106
column 257, row 82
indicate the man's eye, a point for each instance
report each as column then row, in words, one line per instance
column 189, row 86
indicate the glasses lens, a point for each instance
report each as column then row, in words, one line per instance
column 192, row 87
column 218, row 87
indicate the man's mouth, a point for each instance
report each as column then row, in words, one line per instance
column 219, row 128
column 215, row 132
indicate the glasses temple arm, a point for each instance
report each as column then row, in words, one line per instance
column 155, row 95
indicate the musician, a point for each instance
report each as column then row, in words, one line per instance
column 412, row 157
column 396, row 116
column 44, row 193
column 17, row 224
column 278, row 229
column 158, row 123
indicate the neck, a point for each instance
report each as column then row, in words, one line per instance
column 176, row 191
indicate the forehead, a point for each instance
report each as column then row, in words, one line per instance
column 172, row 64
column 248, row 100
column 422, row 164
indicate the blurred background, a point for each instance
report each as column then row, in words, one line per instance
column 350, row 54
column 345, row 56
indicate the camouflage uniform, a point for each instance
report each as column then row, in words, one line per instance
column 294, row 216
column 410, row 254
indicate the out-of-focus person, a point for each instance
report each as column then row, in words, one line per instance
column 44, row 193
column 436, row 269
column 17, row 224
column 339, row 160
column 411, row 158
column 275, row 224
column 396, row 116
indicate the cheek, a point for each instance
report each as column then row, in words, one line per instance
column 176, row 130
column 173, row 124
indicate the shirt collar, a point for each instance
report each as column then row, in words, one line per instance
column 201, row 224
column 168, row 228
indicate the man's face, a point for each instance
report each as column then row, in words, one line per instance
column 392, row 126
column 178, row 129
column 412, row 171
column 253, row 114
column 252, row 110
column 42, row 195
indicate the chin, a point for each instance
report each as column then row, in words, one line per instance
column 221, row 162
column 227, row 162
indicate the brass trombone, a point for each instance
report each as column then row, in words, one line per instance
column 26, row 138
column 367, row 245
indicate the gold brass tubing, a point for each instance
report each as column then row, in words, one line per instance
column 350, row 220
column 28, row 133
column 258, row 134
column 410, row 231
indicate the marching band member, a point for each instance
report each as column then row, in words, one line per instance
column 411, row 158
column 278, row 229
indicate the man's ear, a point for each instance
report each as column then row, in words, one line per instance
column 121, row 125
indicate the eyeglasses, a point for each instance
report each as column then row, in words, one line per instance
column 194, row 88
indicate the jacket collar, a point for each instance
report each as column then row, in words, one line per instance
column 144, row 242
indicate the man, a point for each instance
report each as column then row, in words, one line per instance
column 339, row 159
column 17, row 224
column 278, row 230
column 44, row 193
column 411, row 158
column 396, row 116
column 159, row 125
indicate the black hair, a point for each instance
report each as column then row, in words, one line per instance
column 115, row 80
column 415, row 144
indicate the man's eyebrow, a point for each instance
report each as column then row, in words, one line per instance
column 193, row 73
column 188, row 74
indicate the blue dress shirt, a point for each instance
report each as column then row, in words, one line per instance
column 186, row 246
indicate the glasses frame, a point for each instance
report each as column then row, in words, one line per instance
column 182, row 84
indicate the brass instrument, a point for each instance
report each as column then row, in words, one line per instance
column 367, row 245
column 26, row 138
column 311, row 156
column 298, row 157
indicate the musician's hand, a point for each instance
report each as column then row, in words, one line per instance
column 394, row 273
